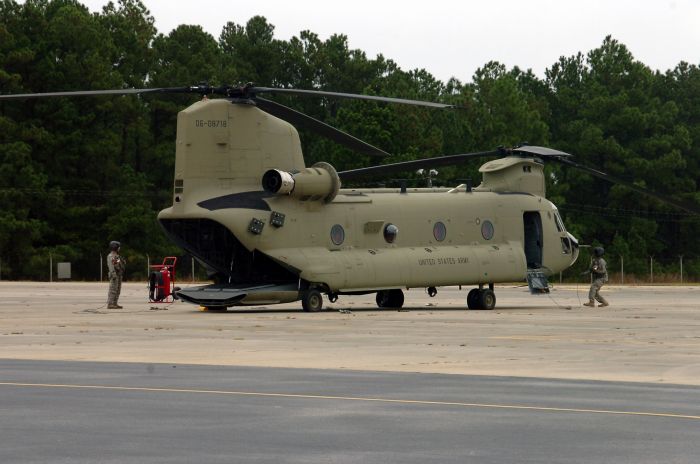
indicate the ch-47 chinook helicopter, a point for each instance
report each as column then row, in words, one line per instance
column 270, row 229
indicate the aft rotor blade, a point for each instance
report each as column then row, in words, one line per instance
column 95, row 93
column 415, row 164
column 320, row 93
column 300, row 119
column 601, row 175
column 243, row 92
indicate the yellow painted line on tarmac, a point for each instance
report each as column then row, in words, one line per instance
column 352, row 398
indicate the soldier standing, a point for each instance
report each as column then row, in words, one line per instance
column 116, row 265
column 599, row 271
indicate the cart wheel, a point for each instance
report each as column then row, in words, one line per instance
column 215, row 309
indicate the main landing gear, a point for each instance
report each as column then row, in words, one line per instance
column 481, row 298
column 390, row 298
column 312, row 300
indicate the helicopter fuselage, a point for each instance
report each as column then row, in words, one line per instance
column 345, row 241
column 444, row 237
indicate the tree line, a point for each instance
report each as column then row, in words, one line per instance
column 76, row 173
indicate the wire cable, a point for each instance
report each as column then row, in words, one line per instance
column 556, row 303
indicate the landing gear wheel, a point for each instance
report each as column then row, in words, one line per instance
column 473, row 299
column 390, row 298
column 312, row 301
column 382, row 299
column 487, row 299
column 396, row 298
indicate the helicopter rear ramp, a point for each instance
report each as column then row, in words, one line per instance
column 225, row 295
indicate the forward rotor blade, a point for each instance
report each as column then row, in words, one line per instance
column 300, row 119
column 601, row 175
column 539, row 151
column 320, row 93
column 415, row 164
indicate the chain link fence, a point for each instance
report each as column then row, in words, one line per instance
column 641, row 270
column 679, row 269
column 94, row 268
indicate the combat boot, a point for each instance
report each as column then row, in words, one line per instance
column 113, row 306
column 590, row 303
column 603, row 304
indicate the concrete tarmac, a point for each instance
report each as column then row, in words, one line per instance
column 648, row 334
column 86, row 412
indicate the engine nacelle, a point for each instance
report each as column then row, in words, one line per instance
column 319, row 182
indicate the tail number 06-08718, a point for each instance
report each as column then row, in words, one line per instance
column 210, row 123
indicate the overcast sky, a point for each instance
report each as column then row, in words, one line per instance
column 454, row 38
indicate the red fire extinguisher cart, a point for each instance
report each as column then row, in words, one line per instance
column 161, row 281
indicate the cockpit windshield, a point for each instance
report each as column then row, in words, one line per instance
column 559, row 222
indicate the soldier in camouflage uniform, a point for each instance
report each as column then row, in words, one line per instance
column 599, row 272
column 116, row 265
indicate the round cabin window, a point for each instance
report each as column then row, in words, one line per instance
column 337, row 234
column 390, row 233
column 439, row 231
column 487, row 230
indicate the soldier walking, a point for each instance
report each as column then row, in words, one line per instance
column 116, row 265
column 599, row 271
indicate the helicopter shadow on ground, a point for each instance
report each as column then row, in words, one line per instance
column 350, row 310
